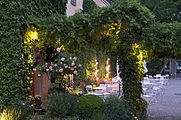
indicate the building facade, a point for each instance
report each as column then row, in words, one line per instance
column 74, row 6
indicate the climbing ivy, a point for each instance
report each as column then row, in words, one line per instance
column 15, row 67
column 113, row 63
column 13, row 85
column 89, row 6
column 101, row 58
column 114, row 28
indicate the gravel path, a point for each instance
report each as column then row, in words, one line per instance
column 168, row 104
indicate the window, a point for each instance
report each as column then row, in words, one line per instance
column 105, row 2
column 73, row 2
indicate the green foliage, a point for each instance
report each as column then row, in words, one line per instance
column 89, row 6
column 100, row 116
column 14, row 87
column 114, row 108
column 88, row 105
column 101, row 58
column 84, row 30
column 119, row 109
column 19, row 112
column 113, row 63
column 16, row 73
column 61, row 105
column 43, row 8
column 154, row 66
column 164, row 10
column 132, row 87
column 26, row 111
column 10, row 114
column 166, row 37
column 87, row 58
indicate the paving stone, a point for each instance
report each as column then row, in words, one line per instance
column 168, row 104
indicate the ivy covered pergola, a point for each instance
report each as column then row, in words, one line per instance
column 122, row 27
column 126, row 28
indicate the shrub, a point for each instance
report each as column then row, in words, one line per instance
column 154, row 66
column 112, row 107
column 88, row 105
column 10, row 114
column 26, row 111
column 40, row 117
column 100, row 116
column 19, row 112
column 119, row 109
column 141, row 111
column 61, row 105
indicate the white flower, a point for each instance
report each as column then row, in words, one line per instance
column 72, row 64
column 61, row 70
column 62, row 59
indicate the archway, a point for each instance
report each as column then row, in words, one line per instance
column 121, row 27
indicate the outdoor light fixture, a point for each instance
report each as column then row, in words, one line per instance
column 33, row 34
column 107, row 67
column 96, row 70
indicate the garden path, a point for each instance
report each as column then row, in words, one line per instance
column 168, row 104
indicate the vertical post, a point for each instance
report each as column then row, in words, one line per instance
column 119, row 89
column 173, row 68
column 117, row 66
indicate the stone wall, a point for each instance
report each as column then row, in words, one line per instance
column 71, row 9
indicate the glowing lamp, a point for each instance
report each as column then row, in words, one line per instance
column 33, row 35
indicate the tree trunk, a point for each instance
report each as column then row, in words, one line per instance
column 163, row 67
column 173, row 68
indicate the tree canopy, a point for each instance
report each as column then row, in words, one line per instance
column 165, row 40
column 164, row 10
column 81, row 28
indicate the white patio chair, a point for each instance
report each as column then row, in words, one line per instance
column 103, row 85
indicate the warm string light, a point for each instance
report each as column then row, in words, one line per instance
column 96, row 70
column 107, row 67
column 140, row 54
column 71, row 78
